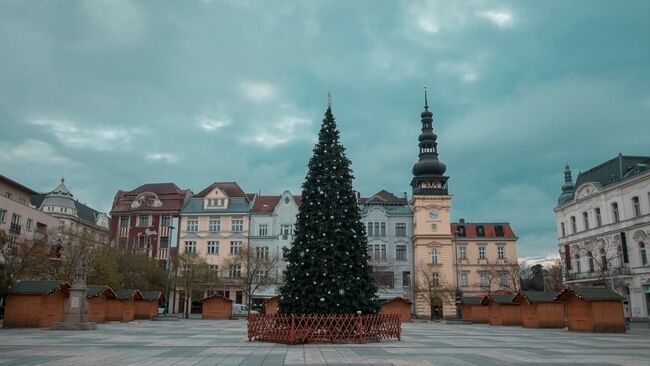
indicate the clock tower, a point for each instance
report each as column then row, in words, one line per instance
column 432, row 238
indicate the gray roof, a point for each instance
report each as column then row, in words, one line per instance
column 151, row 295
column 614, row 170
column 539, row 296
column 235, row 205
column 96, row 290
column 36, row 287
column 126, row 294
column 472, row 300
column 499, row 299
column 591, row 293
column 85, row 213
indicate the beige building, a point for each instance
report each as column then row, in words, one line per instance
column 445, row 257
column 19, row 219
column 215, row 224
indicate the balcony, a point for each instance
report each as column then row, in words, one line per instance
column 15, row 229
column 620, row 271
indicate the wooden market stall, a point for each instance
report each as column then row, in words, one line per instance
column 472, row 310
column 399, row 306
column 147, row 307
column 540, row 310
column 122, row 308
column 216, row 307
column 35, row 303
column 271, row 305
column 593, row 309
column 98, row 297
column 502, row 310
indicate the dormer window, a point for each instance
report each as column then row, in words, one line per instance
column 461, row 231
column 480, row 231
column 498, row 230
column 215, row 202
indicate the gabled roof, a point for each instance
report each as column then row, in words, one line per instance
column 589, row 293
column 170, row 195
column 614, row 170
column 489, row 229
column 265, row 204
column 231, row 189
column 38, row 287
column 157, row 188
column 98, row 290
column 152, row 295
column 215, row 296
column 127, row 294
column 532, row 297
column 472, row 300
column 499, row 299
column 384, row 196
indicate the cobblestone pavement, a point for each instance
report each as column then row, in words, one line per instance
column 197, row 342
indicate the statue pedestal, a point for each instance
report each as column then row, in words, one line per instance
column 76, row 311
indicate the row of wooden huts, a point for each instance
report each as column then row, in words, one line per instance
column 41, row 303
column 579, row 309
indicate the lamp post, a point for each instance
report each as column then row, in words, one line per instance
column 168, row 265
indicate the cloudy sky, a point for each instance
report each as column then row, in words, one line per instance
column 114, row 94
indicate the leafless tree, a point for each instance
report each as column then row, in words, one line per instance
column 23, row 259
column 553, row 276
column 192, row 274
column 603, row 259
column 251, row 269
column 429, row 288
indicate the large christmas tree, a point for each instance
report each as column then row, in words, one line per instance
column 328, row 270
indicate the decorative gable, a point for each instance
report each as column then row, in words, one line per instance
column 215, row 199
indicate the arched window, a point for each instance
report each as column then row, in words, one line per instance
column 644, row 255
column 434, row 256
column 577, row 257
column 603, row 260
column 590, row 257
column 619, row 253
column 615, row 212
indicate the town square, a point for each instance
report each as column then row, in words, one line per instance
column 219, row 182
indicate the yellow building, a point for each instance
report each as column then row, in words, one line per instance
column 445, row 258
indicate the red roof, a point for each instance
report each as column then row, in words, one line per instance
column 383, row 196
column 488, row 230
column 172, row 197
column 231, row 189
column 157, row 188
column 266, row 204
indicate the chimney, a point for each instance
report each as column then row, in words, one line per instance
column 461, row 220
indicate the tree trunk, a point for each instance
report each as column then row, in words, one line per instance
column 432, row 310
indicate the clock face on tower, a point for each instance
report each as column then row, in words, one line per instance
column 433, row 214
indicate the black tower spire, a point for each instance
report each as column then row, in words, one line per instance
column 428, row 178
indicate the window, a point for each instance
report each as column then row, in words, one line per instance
column 637, row 206
column 435, row 279
column 577, row 257
column 400, row 229
column 214, row 225
column 143, row 220
column 460, row 231
column 29, row 225
column 644, row 255
column 263, row 230
column 574, row 228
column 590, row 257
column 377, row 252
column 481, row 252
column 144, row 242
column 61, row 223
column 563, row 229
column 501, row 252
column 166, row 220
column 15, row 220
column 8, row 194
column 190, row 247
column 406, row 278
column 3, row 214
column 239, row 299
column 235, row 247
column 234, row 270
column 400, row 252
column 237, row 225
column 624, row 245
column 213, row 247
column 285, row 231
column 599, row 220
column 434, row 256
column 615, row 212
column 603, row 260
column 480, row 231
column 464, row 279
column 376, row 229
column 262, row 252
column 498, row 230
column 485, row 279
column 193, row 225
column 585, row 220
column 124, row 221
column 213, row 267
column 462, row 252
column 503, row 279
column 164, row 242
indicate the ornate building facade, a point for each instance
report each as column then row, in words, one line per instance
column 603, row 226
column 143, row 219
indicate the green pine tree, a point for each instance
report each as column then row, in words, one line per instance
column 328, row 270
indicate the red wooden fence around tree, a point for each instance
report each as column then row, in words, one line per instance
column 291, row 329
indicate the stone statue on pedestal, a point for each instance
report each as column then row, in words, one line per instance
column 76, row 310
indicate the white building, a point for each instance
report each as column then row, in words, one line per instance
column 272, row 221
column 603, row 225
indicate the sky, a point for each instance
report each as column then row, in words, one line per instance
column 115, row 94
